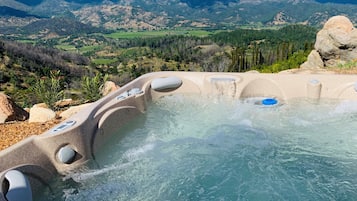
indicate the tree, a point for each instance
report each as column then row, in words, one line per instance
column 2, row 48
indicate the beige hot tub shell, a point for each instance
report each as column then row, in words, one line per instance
column 74, row 142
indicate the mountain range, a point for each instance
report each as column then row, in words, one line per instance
column 163, row 14
column 194, row 3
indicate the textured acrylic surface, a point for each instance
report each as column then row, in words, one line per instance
column 194, row 148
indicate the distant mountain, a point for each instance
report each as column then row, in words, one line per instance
column 158, row 14
column 7, row 11
column 85, row 1
column 152, row 14
column 338, row 1
column 38, row 2
column 58, row 26
column 200, row 3
column 30, row 2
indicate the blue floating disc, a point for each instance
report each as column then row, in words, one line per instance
column 269, row 101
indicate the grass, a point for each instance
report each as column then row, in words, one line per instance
column 66, row 47
column 27, row 41
column 348, row 65
column 89, row 48
column 152, row 34
column 104, row 61
column 345, row 68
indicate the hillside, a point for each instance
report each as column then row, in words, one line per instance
column 59, row 26
column 7, row 11
column 22, row 64
column 152, row 14
column 211, row 14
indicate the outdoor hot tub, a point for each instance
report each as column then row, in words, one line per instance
column 153, row 126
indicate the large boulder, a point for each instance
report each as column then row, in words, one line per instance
column 9, row 111
column 314, row 61
column 336, row 43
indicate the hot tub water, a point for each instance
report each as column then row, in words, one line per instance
column 194, row 148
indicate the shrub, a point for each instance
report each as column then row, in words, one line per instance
column 49, row 90
column 92, row 86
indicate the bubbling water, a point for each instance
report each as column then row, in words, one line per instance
column 194, row 148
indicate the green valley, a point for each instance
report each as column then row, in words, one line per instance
column 123, row 56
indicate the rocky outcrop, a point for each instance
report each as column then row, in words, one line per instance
column 9, row 111
column 281, row 18
column 314, row 61
column 335, row 44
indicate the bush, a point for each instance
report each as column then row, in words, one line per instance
column 49, row 90
column 294, row 61
column 92, row 86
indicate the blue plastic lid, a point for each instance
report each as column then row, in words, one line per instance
column 269, row 101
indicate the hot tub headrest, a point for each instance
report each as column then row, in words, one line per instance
column 18, row 187
column 166, row 83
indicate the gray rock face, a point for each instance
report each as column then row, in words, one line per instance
column 335, row 44
column 9, row 111
column 313, row 61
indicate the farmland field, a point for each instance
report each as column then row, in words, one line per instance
column 150, row 34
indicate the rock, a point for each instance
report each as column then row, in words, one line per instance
column 43, row 105
column 41, row 115
column 73, row 110
column 9, row 111
column 325, row 46
column 336, row 44
column 339, row 22
column 64, row 103
column 313, row 61
column 108, row 87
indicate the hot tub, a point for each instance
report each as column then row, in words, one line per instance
column 30, row 166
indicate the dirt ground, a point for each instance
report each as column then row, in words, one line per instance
column 13, row 132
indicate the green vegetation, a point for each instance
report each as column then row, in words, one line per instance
column 154, row 34
column 348, row 65
column 296, row 59
column 92, row 86
column 49, row 90
column 123, row 56
column 91, row 48
column 66, row 47
column 104, row 61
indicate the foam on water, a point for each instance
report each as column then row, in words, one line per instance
column 193, row 148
